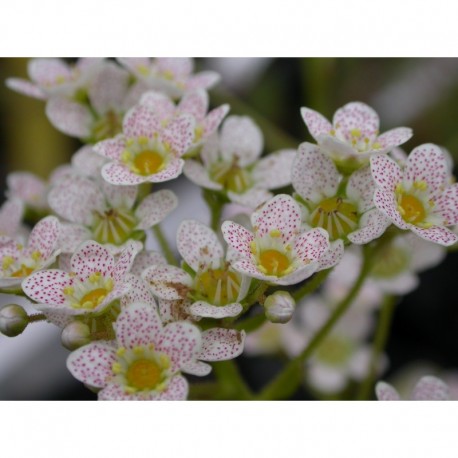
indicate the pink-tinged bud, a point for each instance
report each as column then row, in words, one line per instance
column 279, row 307
column 13, row 320
column 75, row 335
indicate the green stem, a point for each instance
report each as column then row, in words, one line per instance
column 380, row 339
column 312, row 285
column 251, row 323
column 231, row 384
column 289, row 379
column 215, row 205
column 165, row 247
column 36, row 317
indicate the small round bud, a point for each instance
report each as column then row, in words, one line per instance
column 13, row 320
column 75, row 335
column 279, row 307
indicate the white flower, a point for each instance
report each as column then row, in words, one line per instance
column 428, row 388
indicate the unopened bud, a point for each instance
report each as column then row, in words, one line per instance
column 13, row 320
column 279, row 307
column 75, row 335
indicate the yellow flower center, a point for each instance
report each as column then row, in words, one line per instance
column 233, row 177
column 273, row 262
column 411, row 209
column 113, row 226
column 93, row 298
column 24, row 271
column 339, row 217
column 334, row 350
column 107, row 126
column 219, row 286
column 148, row 162
column 143, row 374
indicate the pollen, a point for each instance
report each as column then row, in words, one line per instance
column 36, row 255
column 420, row 185
column 275, row 233
column 148, row 162
column 411, row 209
column 274, row 262
column 143, row 374
column 93, row 298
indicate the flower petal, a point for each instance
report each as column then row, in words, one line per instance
column 196, row 173
column 44, row 236
column 46, row 286
column 386, row 173
column 356, row 115
column 126, row 259
column 120, row 196
column 281, row 213
column 177, row 390
column 333, row 256
column 195, row 103
column 202, row 309
column 10, row 217
column 241, row 138
column 92, row 363
column 316, row 123
column 119, row 174
column 197, row 368
column 92, row 257
column 237, row 237
column 140, row 121
column 314, row 175
column 199, row 245
column 139, row 292
column 361, row 187
column 214, row 119
column 385, row 392
column 27, row 187
column 386, row 203
column 71, row 236
column 274, row 171
column 159, row 104
column 155, row 207
column 173, row 169
column 26, row 88
column 111, row 148
column 69, row 117
column 179, row 133
column 220, row 344
column 436, row 234
column 447, row 205
column 202, row 80
column 298, row 275
column 167, row 282
column 371, row 226
column 394, row 137
column 138, row 325
column 252, row 198
column 312, row 245
column 431, row 388
column 145, row 259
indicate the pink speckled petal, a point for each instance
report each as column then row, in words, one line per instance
column 196, row 173
column 88, row 162
column 26, row 88
column 386, row 203
column 168, row 282
column 119, row 174
column 371, row 226
column 76, row 199
column 385, row 392
column 447, row 205
column 145, row 259
column 10, row 217
column 111, row 148
column 203, row 309
column 314, row 176
column 361, row 187
column 338, row 148
column 333, row 256
column 298, row 275
column 139, row 292
column 214, row 119
column 178, row 67
column 274, row 171
column 241, row 138
column 69, row 117
column 180, row 341
column 281, row 213
column 92, row 363
column 394, row 137
column 252, row 199
column 125, row 260
column 316, row 123
column 174, row 310
column 161, row 105
column 155, row 207
column 427, row 163
column 247, row 267
column 386, row 173
column 199, row 246
column 238, row 237
column 120, row 196
column 197, row 368
column 44, row 236
column 356, row 115
column 177, row 390
column 92, row 257
column 140, row 121
column 107, row 89
column 27, row 187
column 195, row 103
column 47, row 71
column 173, row 169
column 46, row 286
column 431, row 388
column 202, row 80
column 133, row 64
column 71, row 236
column 179, row 133
column 138, row 325
column 219, row 344
column 436, row 234
column 312, row 245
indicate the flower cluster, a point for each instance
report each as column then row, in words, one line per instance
column 136, row 320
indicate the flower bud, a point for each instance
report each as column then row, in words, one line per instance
column 75, row 335
column 279, row 307
column 13, row 320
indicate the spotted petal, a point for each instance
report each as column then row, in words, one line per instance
column 316, row 123
column 119, row 174
column 126, row 259
column 92, row 363
column 159, row 104
column 314, row 175
column 197, row 368
column 46, row 286
column 447, row 205
column 281, row 213
column 372, row 225
column 179, row 134
column 431, row 388
column 111, row 148
column 92, row 257
column 139, row 292
column 220, row 344
column 140, row 121
column 312, row 245
column 274, row 171
column 196, row 173
column 333, row 256
column 26, row 88
column 214, row 119
column 237, row 237
column 173, row 169
column 27, row 187
column 394, row 137
column 251, row 198
column 436, row 234
column 145, row 259
column 203, row 80
column 361, row 187
column 356, row 115
column 195, row 103
column 386, row 172
column 386, row 392
column 386, row 203
column 44, row 236
column 138, row 325
column 202, row 309
column 69, row 117
column 155, row 207
column 167, row 282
